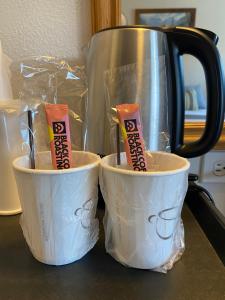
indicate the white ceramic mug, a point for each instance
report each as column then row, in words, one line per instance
column 59, row 206
column 143, row 209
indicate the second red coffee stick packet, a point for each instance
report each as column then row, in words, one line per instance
column 131, row 128
column 59, row 135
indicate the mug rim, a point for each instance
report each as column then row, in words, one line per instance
column 58, row 171
column 186, row 166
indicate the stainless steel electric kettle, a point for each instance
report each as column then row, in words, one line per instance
column 155, row 55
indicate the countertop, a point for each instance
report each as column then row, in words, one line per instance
column 198, row 275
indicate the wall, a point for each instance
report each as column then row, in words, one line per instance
column 45, row 27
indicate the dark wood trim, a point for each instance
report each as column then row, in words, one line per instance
column 105, row 13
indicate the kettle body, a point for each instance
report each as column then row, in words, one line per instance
column 144, row 65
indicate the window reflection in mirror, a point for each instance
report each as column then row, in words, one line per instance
column 195, row 96
column 195, row 89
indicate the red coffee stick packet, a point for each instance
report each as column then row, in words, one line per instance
column 131, row 128
column 59, row 135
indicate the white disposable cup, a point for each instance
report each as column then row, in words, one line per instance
column 143, row 209
column 59, row 206
column 9, row 200
column 10, row 140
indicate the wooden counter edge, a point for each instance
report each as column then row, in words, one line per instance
column 193, row 131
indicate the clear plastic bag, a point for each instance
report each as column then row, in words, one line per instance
column 142, row 222
column 143, row 225
column 59, row 207
column 51, row 80
column 14, row 142
column 14, row 127
column 147, row 86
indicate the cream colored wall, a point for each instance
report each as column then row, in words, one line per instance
column 44, row 27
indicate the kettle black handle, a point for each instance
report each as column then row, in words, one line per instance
column 192, row 41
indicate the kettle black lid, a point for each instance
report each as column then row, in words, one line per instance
column 214, row 38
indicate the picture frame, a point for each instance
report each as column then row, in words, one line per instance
column 166, row 17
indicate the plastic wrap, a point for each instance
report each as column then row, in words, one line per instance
column 145, row 84
column 14, row 142
column 142, row 222
column 59, row 207
column 51, row 80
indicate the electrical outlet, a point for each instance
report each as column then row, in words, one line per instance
column 219, row 168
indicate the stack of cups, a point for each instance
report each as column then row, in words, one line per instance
column 59, row 206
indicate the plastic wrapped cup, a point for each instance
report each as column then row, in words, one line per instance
column 11, row 119
column 142, row 221
column 59, row 206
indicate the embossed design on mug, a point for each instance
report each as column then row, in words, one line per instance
column 163, row 219
column 83, row 213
